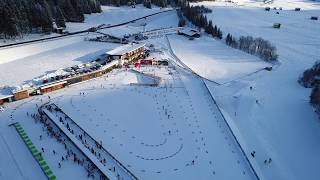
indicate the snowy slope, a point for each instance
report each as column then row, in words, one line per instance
column 214, row 60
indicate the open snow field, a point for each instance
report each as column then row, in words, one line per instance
column 274, row 118
column 214, row 60
column 172, row 131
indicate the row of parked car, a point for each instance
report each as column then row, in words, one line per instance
column 79, row 69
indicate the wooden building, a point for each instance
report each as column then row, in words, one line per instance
column 53, row 87
column 127, row 54
column 21, row 94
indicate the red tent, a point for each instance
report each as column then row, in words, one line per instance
column 137, row 65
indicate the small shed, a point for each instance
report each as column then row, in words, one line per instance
column 277, row 25
column 163, row 63
column 59, row 30
column 191, row 33
column 53, row 87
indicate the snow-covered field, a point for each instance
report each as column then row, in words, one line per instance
column 214, row 60
column 274, row 118
column 173, row 131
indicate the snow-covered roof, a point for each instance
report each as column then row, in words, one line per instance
column 189, row 31
column 5, row 92
column 125, row 49
column 53, row 84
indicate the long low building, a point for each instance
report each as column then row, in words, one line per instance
column 53, row 87
column 127, row 53
column 20, row 94
column 6, row 95
column 9, row 94
column 119, row 56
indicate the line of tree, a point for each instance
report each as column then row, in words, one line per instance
column 311, row 79
column 18, row 17
column 182, row 21
column 199, row 0
column 120, row 2
column 160, row 3
column 203, row 9
column 255, row 46
column 146, row 3
column 315, row 98
column 195, row 14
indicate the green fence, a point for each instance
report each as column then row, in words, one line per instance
column 35, row 153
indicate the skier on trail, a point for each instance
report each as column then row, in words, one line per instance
column 253, row 153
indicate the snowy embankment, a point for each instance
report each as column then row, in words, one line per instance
column 274, row 118
column 214, row 60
